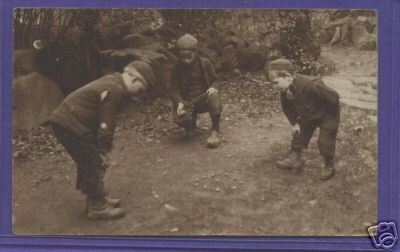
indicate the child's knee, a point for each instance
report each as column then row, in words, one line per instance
column 214, row 103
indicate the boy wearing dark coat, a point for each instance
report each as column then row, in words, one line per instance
column 194, row 89
column 307, row 103
column 84, row 124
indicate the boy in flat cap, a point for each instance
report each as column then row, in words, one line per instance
column 307, row 103
column 84, row 124
column 194, row 89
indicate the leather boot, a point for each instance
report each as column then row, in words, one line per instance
column 293, row 161
column 114, row 202
column 328, row 170
column 213, row 140
column 102, row 210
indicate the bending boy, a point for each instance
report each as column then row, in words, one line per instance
column 307, row 103
column 84, row 124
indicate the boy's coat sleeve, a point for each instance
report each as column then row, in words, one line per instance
column 288, row 109
column 107, row 117
column 211, row 79
column 175, row 86
column 212, row 75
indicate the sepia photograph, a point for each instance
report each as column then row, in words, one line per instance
column 194, row 122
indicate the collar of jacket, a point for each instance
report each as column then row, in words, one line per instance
column 197, row 60
column 120, row 81
column 300, row 81
column 200, row 62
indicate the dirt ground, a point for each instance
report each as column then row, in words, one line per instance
column 171, row 185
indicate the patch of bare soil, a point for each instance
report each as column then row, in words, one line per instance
column 171, row 185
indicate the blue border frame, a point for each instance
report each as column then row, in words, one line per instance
column 388, row 140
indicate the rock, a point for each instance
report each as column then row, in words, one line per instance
column 352, row 92
column 137, row 40
column 174, row 230
column 155, row 195
column 336, row 36
column 312, row 202
column 324, row 36
column 170, row 208
column 358, row 128
column 35, row 97
column 24, row 62
column 228, row 59
column 212, row 55
column 363, row 39
column 236, row 72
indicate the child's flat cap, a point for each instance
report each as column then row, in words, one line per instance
column 187, row 42
column 281, row 64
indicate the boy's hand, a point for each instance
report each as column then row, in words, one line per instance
column 212, row 90
column 295, row 129
column 104, row 140
column 180, row 111
column 104, row 162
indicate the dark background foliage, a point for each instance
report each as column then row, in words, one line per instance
column 270, row 29
column 257, row 35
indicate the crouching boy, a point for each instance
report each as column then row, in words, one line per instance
column 194, row 90
column 307, row 103
column 84, row 124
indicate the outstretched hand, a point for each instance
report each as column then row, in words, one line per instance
column 295, row 129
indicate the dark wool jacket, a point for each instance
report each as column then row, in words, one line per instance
column 180, row 78
column 84, row 110
column 309, row 99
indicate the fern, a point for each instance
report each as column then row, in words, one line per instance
column 150, row 53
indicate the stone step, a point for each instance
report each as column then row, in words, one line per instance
column 355, row 91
